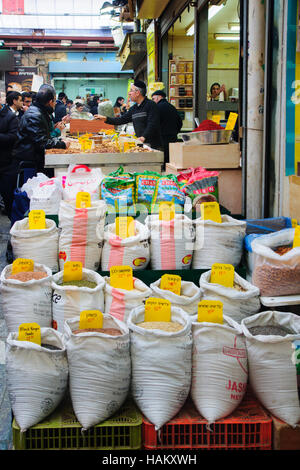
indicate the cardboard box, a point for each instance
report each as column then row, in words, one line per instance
column 285, row 437
column 230, row 187
column 294, row 197
column 209, row 156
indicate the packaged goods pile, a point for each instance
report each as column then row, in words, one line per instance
column 107, row 333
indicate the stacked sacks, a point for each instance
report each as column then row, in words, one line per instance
column 26, row 301
column 69, row 300
column 81, row 236
column 100, row 369
column 40, row 245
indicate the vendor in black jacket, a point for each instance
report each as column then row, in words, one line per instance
column 144, row 116
column 170, row 121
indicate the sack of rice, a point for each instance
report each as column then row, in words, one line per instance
column 161, row 364
column 271, row 341
column 69, row 298
column 133, row 251
column 26, row 297
column 80, row 238
column 82, row 178
column 239, row 301
column 218, row 242
column 171, row 242
column 99, row 369
column 120, row 302
column 37, row 376
column 187, row 300
column 219, row 368
column 40, row 245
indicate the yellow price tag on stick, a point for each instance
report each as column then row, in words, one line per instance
column 294, row 223
column 125, row 227
column 83, row 200
column 166, row 211
column 72, row 271
column 231, row 121
column 90, row 319
column 37, row 220
column 211, row 211
column 157, row 310
column 121, row 277
column 222, row 274
column 30, row 332
column 171, row 282
column 210, row 311
column 216, row 119
column 21, row 265
column 296, row 241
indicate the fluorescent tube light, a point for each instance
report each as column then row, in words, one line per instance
column 65, row 43
column 234, row 26
column 227, row 37
column 213, row 10
column 190, row 31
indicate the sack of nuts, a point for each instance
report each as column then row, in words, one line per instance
column 276, row 265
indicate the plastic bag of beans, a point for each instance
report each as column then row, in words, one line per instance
column 26, row 297
column 99, row 369
column 161, row 355
column 69, row 299
column 39, row 245
column 187, row 300
column 271, row 339
column 37, row 376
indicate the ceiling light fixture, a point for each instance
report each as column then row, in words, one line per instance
column 65, row 42
column 190, row 30
column 226, row 37
column 213, row 10
column 234, row 26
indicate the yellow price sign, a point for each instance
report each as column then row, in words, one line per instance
column 22, row 265
column 216, row 119
column 128, row 145
column 222, row 274
column 210, row 311
column 37, row 220
column 296, row 241
column 30, row 332
column 171, row 282
column 294, row 223
column 83, row 200
column 231, row 121
column 90, row 319
column 121, row 277
column 166, row 211
column 157, row 310
column 72, row 271
column 211, row 211
column 125, row 227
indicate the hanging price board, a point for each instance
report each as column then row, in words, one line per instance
column 30, row 332
column 83, row 199
column 211, row 211
column 121, row 277
column 216, row 119
column 222, row 274
column 157, row 310
column 166, row 211
column 125, row 227
column 296, row 241
column 72, row 271
column 90, row 319
column 210, row 311
column 22, row 265
column 231, row 121
column 171, row 282
column 37, row 220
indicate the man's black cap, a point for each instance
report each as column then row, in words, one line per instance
column 159, row 93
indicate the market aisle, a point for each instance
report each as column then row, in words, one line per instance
column 5, row 409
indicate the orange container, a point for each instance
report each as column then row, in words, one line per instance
column 248, row 428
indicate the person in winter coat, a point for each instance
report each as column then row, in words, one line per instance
column 170, row 121
column 34, row 135
column 143, row 114
column 60, row 107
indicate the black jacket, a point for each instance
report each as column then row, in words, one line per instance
column 60, row 111
column 8, row 135
column 145, row 119
column 170, row 121
column 34, row 136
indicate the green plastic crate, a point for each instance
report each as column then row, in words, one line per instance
column 62, row 431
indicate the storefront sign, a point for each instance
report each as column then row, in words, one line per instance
column 20, row 79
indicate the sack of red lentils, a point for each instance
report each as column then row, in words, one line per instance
column 219, row 368
column 72, row 297
column 188, row 298
column 26, row 297
column 161, row 354
column 37, row 376
column 99, row 369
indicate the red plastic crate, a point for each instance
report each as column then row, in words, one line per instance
column 248, row 428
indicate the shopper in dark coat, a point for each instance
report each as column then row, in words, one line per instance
column 144, row 116
column 170, row 121
column 94, row 105
column 60, row 107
